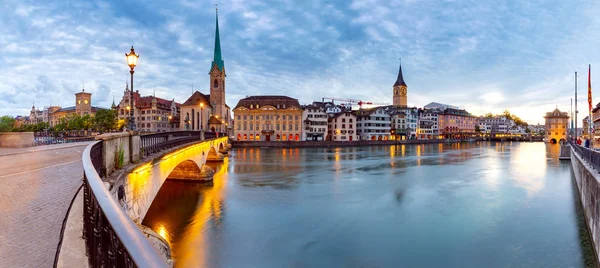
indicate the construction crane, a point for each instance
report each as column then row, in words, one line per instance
column 360, row 103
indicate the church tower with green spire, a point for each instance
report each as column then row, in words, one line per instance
column 217, row 78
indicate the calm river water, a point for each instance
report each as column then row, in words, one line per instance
column 448, row 205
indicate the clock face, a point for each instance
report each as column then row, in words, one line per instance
column 395, row 91
column 86, row 101
column 79, row 102
column 403, row 91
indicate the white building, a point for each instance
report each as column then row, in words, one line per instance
column 373, row 124
column 314, row 121
column 428, row 124
column 496, row 124
column 342, row 127
column 404, row 122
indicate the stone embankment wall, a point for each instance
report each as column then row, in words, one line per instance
column 16, row 139
column 290, row 144
column 588, row 186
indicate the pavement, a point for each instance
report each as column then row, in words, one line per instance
column 37, row 185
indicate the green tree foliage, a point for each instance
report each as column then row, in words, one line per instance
column 7, row 123
column 477, row 129
column 105, row 120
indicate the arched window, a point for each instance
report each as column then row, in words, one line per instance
column 245, row 137
column 257, row 137
column 239, row 137
column 291, row 137
column 216, row 83
column 297, row 137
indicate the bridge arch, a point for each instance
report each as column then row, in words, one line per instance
column 141, row 184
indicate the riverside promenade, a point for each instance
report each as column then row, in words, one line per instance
column 37, row 185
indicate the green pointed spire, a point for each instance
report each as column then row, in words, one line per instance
column 218, row 58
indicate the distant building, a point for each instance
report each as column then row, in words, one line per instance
column 404, row 121
column 314, row 119
column 342, row 127
column 585, row 126
column 439, row 106
column 498, row 124
column 268, row 118
column 373, row 124
column 556, row 126
column 53, row 114
column 400, row 90
column 428, row 124
column 196, row 112
column 151, row 114
column 456, row 124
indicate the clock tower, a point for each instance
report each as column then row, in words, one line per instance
column 83, row 103
column 400, row 90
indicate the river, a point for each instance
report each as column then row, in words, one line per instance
column 476, row 204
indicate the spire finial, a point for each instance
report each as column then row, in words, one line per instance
column 217, row 7
column 83, row 86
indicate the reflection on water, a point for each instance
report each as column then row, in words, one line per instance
column 460, row 204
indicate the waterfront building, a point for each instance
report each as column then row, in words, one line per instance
column 268, row 118
column 596, row 121
column 404, row 122
column 428, row 124
column 151, row 114
column 400, row 90
column 456, row 124
column 494, row 124
column 373, row 124
column 342, row 127
column 556, row 126
column 314, row 119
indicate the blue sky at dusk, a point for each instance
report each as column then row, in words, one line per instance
column 484, row 56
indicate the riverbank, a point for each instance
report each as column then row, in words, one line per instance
column 295, row 144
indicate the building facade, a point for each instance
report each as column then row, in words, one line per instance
column 556, row 126
column 342, row 127
column 314, row 119
column 152, row 114
column 373, row 124
column 428, row 124
column 196, row 112
column 268, row 118
column 404, row 121
column 456, row 124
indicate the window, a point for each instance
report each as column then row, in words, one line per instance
column 283, row 126
column 216, row 83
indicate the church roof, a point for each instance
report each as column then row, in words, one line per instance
column 214, row 120
column 218, row 58
column 400, row 79
column 284, row 102
column 196, row 99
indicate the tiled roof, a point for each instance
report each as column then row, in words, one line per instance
column 400, row 79
column 196, row 99
column 268, row 100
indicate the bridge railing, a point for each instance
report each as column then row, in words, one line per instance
column 153, row 143
column 589, row 155
column 112, row 238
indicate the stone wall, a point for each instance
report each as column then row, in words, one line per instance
column 16, row 139
column 588, row 186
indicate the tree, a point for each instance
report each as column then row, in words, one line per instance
column 7, row 123
column 489, row 115
column 105, row 120
column 477, row 129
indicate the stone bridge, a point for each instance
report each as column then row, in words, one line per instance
column 136, row 187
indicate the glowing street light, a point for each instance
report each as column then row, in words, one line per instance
column 132, row 60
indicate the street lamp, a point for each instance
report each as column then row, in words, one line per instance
column 201, row 123
column 132, row 59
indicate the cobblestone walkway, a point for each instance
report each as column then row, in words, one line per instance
column 36, row 188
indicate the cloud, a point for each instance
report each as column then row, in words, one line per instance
column 485, row 56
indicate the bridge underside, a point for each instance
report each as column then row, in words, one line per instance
column 189, row 171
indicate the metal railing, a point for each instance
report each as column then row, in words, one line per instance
column 589, row 155
column 112, row 239
column 59, row 137
column 153, row 143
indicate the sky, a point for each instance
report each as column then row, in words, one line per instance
column 483, row 56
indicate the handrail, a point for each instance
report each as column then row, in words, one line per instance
column 587, row 154
column 113, row 239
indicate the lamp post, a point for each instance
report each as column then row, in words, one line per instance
column 201, row 123
column 132, row 62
